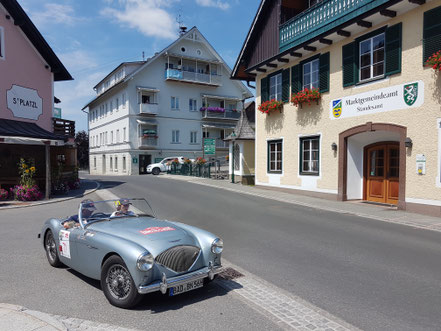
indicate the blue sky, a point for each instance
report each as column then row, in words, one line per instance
column 91, row 37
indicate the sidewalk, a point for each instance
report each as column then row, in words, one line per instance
column 18, row 318
column 358, row 208
column 86, row 187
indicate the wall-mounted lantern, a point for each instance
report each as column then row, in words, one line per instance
column 334, row 147
column 408, row 142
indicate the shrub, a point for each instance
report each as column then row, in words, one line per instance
column 3, row 194
column 26, row 193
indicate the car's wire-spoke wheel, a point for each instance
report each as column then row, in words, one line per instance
column 51, row 250
column 118, row 281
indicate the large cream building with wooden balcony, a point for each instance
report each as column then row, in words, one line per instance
column 374, row 133
column 148, row 110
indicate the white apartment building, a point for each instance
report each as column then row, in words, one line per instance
column 148, row 110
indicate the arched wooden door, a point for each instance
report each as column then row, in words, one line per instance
column 382, row 173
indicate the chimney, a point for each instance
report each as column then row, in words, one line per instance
column 182, row 30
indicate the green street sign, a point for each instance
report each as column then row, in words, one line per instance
column 135, row 160
column 209, row 146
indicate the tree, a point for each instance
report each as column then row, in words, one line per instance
column 82, row 142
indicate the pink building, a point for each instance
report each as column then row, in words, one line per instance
column 28, row 69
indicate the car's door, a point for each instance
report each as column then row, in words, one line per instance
column 67, row 250
column 89, row 255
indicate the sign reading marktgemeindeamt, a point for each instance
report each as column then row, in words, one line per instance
column 386, row 99
column 209, row 146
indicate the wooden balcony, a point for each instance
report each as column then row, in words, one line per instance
column 63, row 127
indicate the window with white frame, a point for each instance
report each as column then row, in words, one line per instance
column 111, row 137
column 116, row 163
column 124, row 164
column 311, row 74
column 174, row 103
column 275, row 156
column 372, row 57
column 124, row 134
column 94, row 162
column 2, row 43
column 123, row 100
column 192, row 104
column 111, row 107
column 193, row 137
column 117, row 104
column 111, row 164
column 175, row 136
column 117, row 136
column 276, row 87
column 309, row 155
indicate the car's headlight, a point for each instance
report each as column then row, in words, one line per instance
column 217, row 246
column 145, row 262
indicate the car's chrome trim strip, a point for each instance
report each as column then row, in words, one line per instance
column 179, row 280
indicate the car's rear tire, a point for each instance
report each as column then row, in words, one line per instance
column 156, row 171
column 117, row 283
column 50, row 246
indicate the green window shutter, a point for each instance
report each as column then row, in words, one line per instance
column 350, row 58
column 324, row 72
column 264, row 89
column 393, row 50
column 285, row 85
column 431, row 33
column 296, row 79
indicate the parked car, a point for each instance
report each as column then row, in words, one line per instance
column 157, row 168
column 132, row 253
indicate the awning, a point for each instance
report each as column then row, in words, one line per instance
column 18, row 129
column 218, row 125
column 147, row 89
column 220, row 97
column 148, row 122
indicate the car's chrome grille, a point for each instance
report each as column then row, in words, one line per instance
column 178, row 258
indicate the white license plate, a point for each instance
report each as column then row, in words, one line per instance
column 175, row 290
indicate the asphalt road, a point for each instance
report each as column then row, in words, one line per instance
column 27, row 279
column 374, row 275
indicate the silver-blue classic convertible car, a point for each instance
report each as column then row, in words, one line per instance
column 130, row 251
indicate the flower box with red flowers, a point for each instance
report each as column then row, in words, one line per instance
column 270, row 106
column 305, row 96
column 434, row 61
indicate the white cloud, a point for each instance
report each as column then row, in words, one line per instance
column 213, row 3
column 54, row 13
column 150, row 17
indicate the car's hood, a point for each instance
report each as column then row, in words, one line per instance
column 153, row 234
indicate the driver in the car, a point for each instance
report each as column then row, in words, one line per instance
column 122, row 208
column 87, row 209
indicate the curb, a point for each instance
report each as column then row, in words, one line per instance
column 44, row 202
column 45, row 318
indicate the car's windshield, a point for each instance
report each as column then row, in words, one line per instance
column 95, row 211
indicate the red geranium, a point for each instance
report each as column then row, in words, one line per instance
column 434, row 61
column 267, row 107
column 305, row 96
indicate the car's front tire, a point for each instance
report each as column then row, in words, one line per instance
column 117, row 283
column 156, row 171
column 50, row 247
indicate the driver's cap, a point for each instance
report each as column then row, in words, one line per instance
column 88, row 204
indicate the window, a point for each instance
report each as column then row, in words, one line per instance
column 105, row 138
column 309, row 155
column 117, row 104
column 175, row 136
column 124, row 163
column 145, row 98
column 175, row 103
column 275, row 87
column 372, row 57
column 111, row 137
column 116, row 163
column 94, row 162
column 117, row 136
column 124, row 134
column 107, row 108
column 275, row 156
column 193, row 137
column 123, row 100
column 111, row 107
column 205, row 134
column 311, row 75
column 2, row 43
column 192, row 104
column 111, row 164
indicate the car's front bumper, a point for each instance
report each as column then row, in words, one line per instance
column 166, row 283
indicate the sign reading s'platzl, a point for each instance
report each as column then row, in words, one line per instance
column 24, row 102
column 395, row 97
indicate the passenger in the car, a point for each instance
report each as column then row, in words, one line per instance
column 122, row 208
column 87, row 209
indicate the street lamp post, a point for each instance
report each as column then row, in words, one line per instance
column 233, row 136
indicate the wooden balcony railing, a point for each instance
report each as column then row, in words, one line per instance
column 63, row 127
